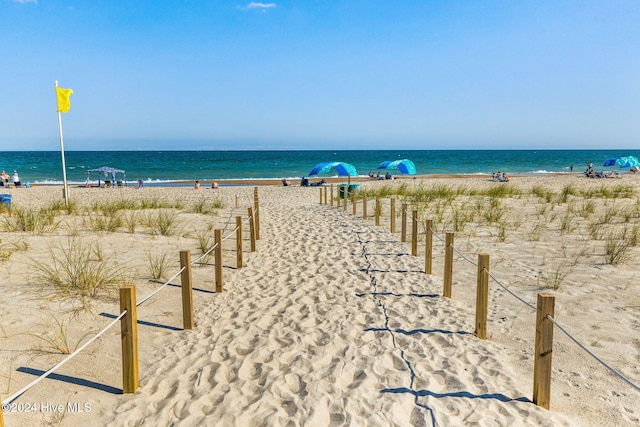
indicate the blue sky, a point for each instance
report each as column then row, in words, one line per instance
column 378, row 74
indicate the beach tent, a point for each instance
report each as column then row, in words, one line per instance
column 107, row 170
column 405, row 166
column 623, row 162
column 343, row 169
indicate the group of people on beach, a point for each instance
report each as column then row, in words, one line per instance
column 378, row 176
column 214, row 185
column 4, row 179
column 499, row 177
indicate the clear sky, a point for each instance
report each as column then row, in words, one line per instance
column 294, row 74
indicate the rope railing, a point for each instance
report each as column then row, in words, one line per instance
column 592, row 354
column 17, row 394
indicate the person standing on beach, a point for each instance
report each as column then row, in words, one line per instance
column 197, row 185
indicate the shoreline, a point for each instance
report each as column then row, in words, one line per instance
column 295, row 182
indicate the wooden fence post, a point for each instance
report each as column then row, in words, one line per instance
column 345, row 197
column 482, row 296
column 364, row 205
column 236, row 201
column 414, row 233
column 239, row 260
column 428, row 247
column 218, row 260
column 187, row 289
column 403, row 231
column 256, row 208
column 355, row 203
column 325, row 195
column 320, row 194
column 544, row 350
column 393, row 215
column 331, row 200
column 129, row 339
column 448, row 265
column 378, row 209
column 1, row 416
column 252, row 230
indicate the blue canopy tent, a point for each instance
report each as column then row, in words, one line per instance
column 405, row 166
column 106, row 170
column 343, row 169
column 623, row 162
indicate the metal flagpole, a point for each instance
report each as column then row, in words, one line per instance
column 65, row 189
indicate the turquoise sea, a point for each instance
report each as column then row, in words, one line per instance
column 159, row 167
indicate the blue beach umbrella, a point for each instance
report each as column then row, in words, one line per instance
column 343, row 169
column 405, row 166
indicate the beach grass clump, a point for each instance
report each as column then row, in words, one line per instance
column 74, row 272
column 567, row 190
column 158, row 266
column 616, row 250
column 206, row 207
column 556, row 275
column 162, row 222
column 57, row 338
column 588, row 208
column 130, row 221
column 71, row 207
column 109, row 223
column 501, row 191
column 31, row 220
column 112, row 207
column 156, row 203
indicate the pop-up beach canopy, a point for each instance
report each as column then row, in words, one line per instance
column 343, row 169
column 106, row 170
column 623, row 162
column 404, row 166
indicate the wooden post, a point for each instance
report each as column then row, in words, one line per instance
column 1, row 416
column 364, row 205
column 187, row 289
column 217, row 234
column 331, row 200
column 393, row 215
column 378, row 208
column 129, row 339
column 354, row 201
column 403, row 232
column 256, row 208
column 325, row 195
column 414, row 233
column 544, row 350
column 252, row 230
column 482, row 296
column 320, row 194
column 345, row 196
column 428, row 247
column 448, row 265
column 239, row 260
column 236, row 201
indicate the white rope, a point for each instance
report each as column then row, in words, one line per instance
column 625, row 379
column 62, row 362
column 160, row 288
column 531, row 306
column 230, row 234
column 463, row 256
column 204, row 254
column 437, row 236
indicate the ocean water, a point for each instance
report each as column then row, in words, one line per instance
column 45, row 167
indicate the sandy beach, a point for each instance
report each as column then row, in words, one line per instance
column 332, row 321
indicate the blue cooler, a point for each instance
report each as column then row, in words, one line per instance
column 5, row 199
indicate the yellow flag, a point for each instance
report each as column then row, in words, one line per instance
column 63, row 99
